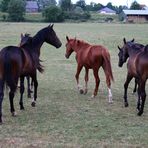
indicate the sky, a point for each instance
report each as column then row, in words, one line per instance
column 115, row 2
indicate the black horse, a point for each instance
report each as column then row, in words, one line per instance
column 137, row 68
column 18, row 62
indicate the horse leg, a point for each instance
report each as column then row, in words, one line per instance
column 143, row 97
column 108, row 82
column 139, row 98
column 97, row 79
column 79, row 68
column 135, row 88
column 34, row 78
column 21, row 92
column 28, row 85
column 1, row 98
column 86, row 80
column 128, row 79
column 11, row 97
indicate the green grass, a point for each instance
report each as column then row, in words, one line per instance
column 63, row 117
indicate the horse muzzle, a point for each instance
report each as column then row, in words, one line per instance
column 120, row 64
column 67, row 56
column 59, row 45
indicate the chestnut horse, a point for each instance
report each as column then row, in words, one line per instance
column 18, row 62
column 137, row 68
column 91, row 57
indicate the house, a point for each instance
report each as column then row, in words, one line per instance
column 107, row 10
column 135, row 16
column 32, row 6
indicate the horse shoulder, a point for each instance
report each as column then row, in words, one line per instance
column 27, row 61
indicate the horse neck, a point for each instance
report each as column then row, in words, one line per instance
column 133, row 52
column 80, row 46
column 37, row 42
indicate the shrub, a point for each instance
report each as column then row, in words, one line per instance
column 53, row 14
column 16, row 10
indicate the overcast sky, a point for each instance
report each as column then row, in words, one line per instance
column 115, row 2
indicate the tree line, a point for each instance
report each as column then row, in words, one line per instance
column 54, row 12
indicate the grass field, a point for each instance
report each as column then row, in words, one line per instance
column 63, row 117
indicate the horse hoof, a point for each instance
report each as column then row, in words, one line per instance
column 14, row 114
column 85, row 92
column 126, row 104
column 110, row 102
column 139, row 113
column 93, row 96
column 81, row 91
column 33, row 104
column 22, row 108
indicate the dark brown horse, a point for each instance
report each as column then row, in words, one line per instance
column 137, row 68
column 138, row 47
column 91, row 57
column 16, row 62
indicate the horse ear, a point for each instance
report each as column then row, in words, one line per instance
column 119, row 48
column 132, row 40
column 124, row 40
column 51, row 25
column 22, row 35
column 67, row 38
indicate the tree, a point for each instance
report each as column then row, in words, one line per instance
column 82, row 4
column 53, row 14
column 65, row 5
column 46, row 3
column 4, row 5
column 16, row 10
column 135, row 6
column 109, row 5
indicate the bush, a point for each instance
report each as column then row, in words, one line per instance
column 16, row 10
column 77, row 16
column 53, row 14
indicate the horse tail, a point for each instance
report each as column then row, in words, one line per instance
column 107, row 66
column 8, row 76
column 40, row 67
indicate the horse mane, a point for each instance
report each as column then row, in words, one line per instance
column 135, row 46
column 146, row 48
column 36, row 59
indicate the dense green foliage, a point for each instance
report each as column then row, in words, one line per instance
column 4, row 5
column 16, row 10
column 135, row 6
column 53, row 14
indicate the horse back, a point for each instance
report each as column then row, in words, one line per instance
column 91, row 56
column 142, row 64
column 14, row 56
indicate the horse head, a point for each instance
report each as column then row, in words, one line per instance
column 123, row 52
column 69, row 47
column 51, row 37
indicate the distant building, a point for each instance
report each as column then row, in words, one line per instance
column 107, row 10
column 32, row 6
column 135, row 16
